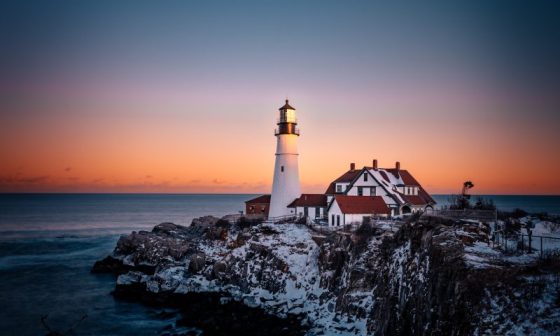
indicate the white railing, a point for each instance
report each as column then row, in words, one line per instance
column 280, row 219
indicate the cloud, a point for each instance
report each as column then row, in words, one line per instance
column 25, row 180
column 217, row 181
column 148, row 176
column 68, row 169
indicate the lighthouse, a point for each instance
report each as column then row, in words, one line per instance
column 285, row 186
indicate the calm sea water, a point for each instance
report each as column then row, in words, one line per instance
column 48, row 243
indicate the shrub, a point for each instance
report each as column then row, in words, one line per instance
column 366, row 229
column 518, row 213
column 484, row 204
column 459, row 202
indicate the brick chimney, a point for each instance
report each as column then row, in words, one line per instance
column 398, row 166
column 375, row 164
column 352, row 166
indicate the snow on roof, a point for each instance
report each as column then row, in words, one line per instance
column 391, row 178
column 382, row 177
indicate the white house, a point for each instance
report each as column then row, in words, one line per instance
column 313, row 206
column 344, row 210
column 398, row 188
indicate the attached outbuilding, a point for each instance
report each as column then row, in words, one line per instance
column 312, row 206
column 258, row 207
column 345, row 210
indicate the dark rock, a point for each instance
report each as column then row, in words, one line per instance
column 197, row 262
column 108, row 265
column 204, row 222
column 219, row 269
column 414, row 279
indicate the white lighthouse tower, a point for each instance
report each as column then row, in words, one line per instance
column 285, row 186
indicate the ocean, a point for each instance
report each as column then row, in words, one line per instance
column 49, row 242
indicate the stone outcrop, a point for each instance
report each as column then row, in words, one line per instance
column 427, row 276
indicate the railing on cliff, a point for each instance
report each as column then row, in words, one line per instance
column 473, row 214
column 281, row 219
column 509, row 242
column 385, row 224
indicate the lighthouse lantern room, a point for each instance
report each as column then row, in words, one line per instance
column 285, row 185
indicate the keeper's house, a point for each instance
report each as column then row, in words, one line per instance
column 355, row 195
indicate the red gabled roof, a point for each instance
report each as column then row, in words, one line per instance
column 414, row 199
column 362, row 204
column 309, row 200
column 407, row 178
column 331, row 189
column 263, row 199
column 347, row 177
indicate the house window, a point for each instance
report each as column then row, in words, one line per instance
column 282, row 169
column 337, row 220
column 338, row 188
column 262, row 209
column 251, row 208
column 332, row 220
column 360, row 191
column 365, row 177
column 372, row 191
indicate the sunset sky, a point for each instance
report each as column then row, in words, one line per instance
column 182, row 96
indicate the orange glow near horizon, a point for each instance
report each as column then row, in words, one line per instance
column 216, row 152
column 183, row 97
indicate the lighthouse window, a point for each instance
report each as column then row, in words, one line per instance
column 282, row 169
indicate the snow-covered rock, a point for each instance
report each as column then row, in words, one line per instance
column 423, row 277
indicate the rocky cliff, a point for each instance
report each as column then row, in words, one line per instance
column 426, row 276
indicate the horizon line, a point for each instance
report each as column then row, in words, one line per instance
column 195, row 193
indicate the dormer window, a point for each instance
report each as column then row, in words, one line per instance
column 338, row 188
